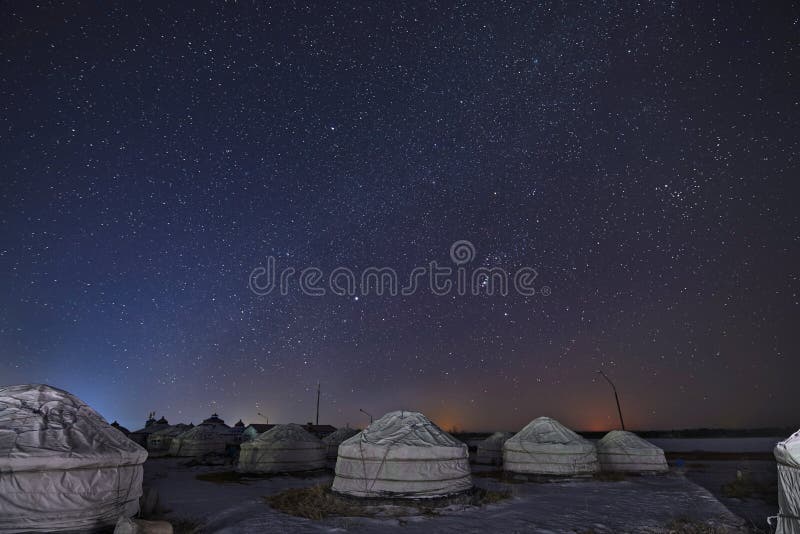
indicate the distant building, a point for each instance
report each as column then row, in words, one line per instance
column 121, row 428
column 238, row 431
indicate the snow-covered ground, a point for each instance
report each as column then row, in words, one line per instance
column 638, row 504
column 713, row 474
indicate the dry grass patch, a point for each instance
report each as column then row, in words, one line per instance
column 744, row 487
column 319, row 502
column 316, row 502
column 234, row 477
column 689, row 526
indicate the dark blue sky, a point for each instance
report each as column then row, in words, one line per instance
column 642, row 159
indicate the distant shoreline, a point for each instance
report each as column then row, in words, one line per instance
column 767, row 432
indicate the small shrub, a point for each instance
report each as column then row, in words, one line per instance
column 316, row 502
column 744, row 487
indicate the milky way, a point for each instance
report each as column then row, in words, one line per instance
column 642, row 159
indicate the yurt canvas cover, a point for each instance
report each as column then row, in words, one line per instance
column 282, row 449
column 162, row 439
column 621, row 451
column 62, row 466
column 333, row 440
column 212, row 435
column 402, row 454
column 490, row 450
column 787, row 454
column 140, row 436
column 546, row 447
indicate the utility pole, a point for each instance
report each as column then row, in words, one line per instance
column 317, row 404
column 616, row 397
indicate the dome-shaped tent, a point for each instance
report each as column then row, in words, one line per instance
column 787, row 454
column 333, row 440
column 546, row 447
column 626, row 452
column 160, row 440
column 140, row 436
column 490, row 450
column 283, row 448
column 212, row 435
column 62, row 466
column 402, row 454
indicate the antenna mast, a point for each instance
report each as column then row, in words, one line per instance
column 317, row 403
column 616, row 397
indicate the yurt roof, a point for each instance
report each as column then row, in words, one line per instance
column 42, row 427
column 340, row 435
column 204, row 433
column 496, row 440
column 214, row 420
column 259, row 428
column 239, row 423
column 173, row 430
column 627, row 441
column 279, row 435
column 155, row 426
column 546, row 430
column 405, row 428
column 787, row 452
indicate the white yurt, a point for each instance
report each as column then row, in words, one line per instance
column 140, row 436
column 402, row 454
column 282, row 449
column 62, row 466
column 160, row 440
column 490, row 450
column 625, row 452
column 546, row 447
column 787, row 454
column 210, row 436
column 333, row 440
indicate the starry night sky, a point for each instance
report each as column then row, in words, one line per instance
column 643, row 158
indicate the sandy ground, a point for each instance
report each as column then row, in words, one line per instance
column 637, row 504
